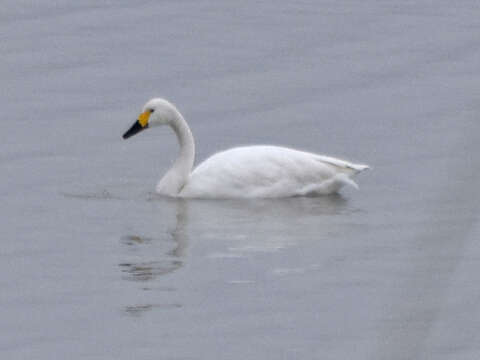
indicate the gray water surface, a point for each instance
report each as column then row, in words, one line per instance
column 94, row 265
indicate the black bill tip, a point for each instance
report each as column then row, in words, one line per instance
column 135, row 129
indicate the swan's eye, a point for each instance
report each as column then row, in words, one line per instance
column 151, row 110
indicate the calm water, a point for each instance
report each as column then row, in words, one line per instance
column 94, row 265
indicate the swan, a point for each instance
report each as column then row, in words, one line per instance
column 260, row 171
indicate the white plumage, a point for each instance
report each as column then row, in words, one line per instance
column 268, row 171
column 244, row 172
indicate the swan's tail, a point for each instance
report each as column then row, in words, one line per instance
column 343, row 165
column 358, row 167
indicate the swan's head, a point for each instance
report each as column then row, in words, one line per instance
column 155, row 112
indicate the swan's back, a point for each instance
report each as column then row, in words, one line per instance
column 268, row 171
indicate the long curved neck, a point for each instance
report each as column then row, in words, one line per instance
column 176, row 178
column 186, row 156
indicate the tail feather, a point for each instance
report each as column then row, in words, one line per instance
column 358, row 167
column 342, row 164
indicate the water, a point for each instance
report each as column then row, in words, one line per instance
column 94, row 265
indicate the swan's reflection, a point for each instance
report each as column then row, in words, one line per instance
column 137, row 310
column 229, row 229
column 148, row 270
column 250, row 227
column 167, row 259
column 153, row 257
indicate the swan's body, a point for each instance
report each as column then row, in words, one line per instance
column 243, row 172
column 267, row 171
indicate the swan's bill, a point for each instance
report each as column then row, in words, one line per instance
column 139, row 125
column 135, row 129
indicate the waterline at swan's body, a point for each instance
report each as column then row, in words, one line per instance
column 243, row 172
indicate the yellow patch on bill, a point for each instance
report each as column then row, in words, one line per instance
column 143, row 118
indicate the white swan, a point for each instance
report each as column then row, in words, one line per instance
column 242, row 172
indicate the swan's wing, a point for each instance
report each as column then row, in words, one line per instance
column 266, row 171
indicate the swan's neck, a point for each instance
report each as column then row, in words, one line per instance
column 186, row 156
column 176, row 178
